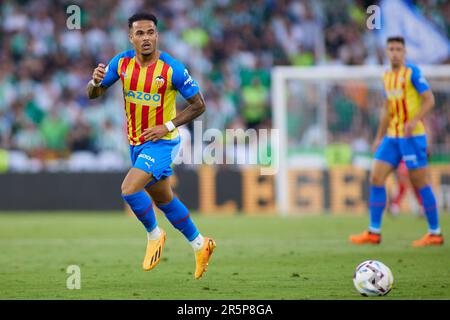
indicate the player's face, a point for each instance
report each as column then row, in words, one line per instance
column 396, row 53
column 143, row 37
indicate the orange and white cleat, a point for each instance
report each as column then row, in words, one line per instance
column 154, row 252
column 429, row 240
column 366, row 237
column 202, row 257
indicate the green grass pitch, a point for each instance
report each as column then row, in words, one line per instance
column 256, row 258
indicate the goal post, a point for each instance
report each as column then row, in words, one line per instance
column 306, row 102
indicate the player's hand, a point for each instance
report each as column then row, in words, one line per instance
column 376, row 144
column 155, row 133
column 409, row 127
column 99, row 73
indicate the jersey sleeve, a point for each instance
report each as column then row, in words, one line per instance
column 111, row 72
column 419, row 82
column 183, row 82
column 383, row 90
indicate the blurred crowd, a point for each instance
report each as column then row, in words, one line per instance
column 229, row 46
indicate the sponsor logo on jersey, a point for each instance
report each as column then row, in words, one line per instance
column 145, row 98
column 396, row 93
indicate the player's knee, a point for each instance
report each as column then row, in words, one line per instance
column 162, row 198
column 418, row 178
column 377, row 180
column 127, row 188
column 418, row 182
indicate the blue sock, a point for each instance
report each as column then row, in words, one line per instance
column 377, row 203
column 179, row 217
column 431, row 211
column 141, row 204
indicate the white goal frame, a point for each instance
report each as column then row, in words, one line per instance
column 279, row 77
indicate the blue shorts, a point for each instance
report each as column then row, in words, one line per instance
column 155, row 157
column 413, row 150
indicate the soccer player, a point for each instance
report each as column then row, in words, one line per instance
column 151, row 79
column 401, row 135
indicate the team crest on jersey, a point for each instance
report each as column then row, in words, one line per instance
column 159, row 80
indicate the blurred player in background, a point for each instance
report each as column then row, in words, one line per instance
column 401, row 136
column 151, row 80
column 404, row 183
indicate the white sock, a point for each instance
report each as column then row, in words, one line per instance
column 375, row 230
column 436, row 231
column 155, row 234
column 198, row 242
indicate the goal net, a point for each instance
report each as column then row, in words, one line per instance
column 327, row 117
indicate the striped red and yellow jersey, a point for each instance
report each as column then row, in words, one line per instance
column 149, row 92
column 403, row 89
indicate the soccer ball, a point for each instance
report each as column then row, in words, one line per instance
column 373, row 278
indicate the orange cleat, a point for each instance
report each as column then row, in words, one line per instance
column 202, row 257
column 366, row 237
column 153, row 252
column 429, row 240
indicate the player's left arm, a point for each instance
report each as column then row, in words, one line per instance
column 196, row 108
column 422, row 87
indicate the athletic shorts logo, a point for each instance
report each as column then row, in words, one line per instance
column 146, row 157
column 411, row 158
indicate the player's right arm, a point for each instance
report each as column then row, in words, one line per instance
column 382, row 127
column 103, row 77
column 94, row 88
